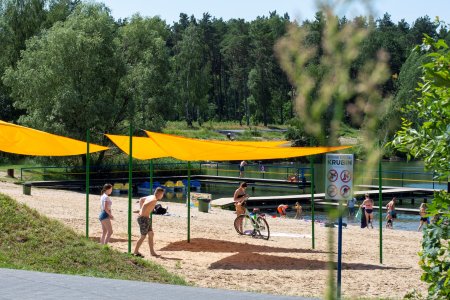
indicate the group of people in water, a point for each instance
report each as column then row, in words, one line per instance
column 391, row 214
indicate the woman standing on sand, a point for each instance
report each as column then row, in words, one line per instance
column 423, row 216
column 106, row 216
column 240, row 196
column 368, row 205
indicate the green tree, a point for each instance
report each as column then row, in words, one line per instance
column 19, row 21
column 421, row 26
column 408, row 79
column 428, row 137
column 261, row 74
column 68, row 76
column 213, row 30
column 280, row 86
column 191, row 74
column 235, row 48
column 145, row 84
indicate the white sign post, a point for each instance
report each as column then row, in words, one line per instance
column 339, row 176
column 339, row 186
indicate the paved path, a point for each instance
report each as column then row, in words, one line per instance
column 19, row 284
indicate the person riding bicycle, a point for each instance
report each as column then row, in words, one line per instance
column 240, row 196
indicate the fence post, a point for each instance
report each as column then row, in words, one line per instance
column 88, row 184
column 21, row 174
column 380, row 204
column 312, row 201
column 402, row 179
column 130, row 186
column 217, row 169
column 189, row 204
column 433, row 179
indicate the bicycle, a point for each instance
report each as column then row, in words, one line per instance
column 252, row 224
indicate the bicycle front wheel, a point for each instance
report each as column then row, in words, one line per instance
column 262, row 227
column 244, row 225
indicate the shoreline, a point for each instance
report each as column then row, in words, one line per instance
column 218, row 257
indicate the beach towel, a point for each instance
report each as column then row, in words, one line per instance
column 363, row 218
column 358, row 215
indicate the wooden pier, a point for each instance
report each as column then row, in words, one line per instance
column 251, row 181
column 319, row 198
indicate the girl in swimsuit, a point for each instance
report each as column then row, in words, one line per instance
column 106, row 216
column 368, row 204
column 423, row 215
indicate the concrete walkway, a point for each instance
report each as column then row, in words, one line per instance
column 19, row 284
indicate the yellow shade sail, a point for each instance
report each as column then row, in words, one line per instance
column 27, row 141
column 253, row 143
column 143, row 147
column 191, row 150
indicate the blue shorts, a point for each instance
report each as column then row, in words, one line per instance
column 393, row 214
column 103, row 216
column 241, row 169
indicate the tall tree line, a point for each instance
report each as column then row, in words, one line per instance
column 67, row 66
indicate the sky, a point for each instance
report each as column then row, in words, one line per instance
column 169, row 10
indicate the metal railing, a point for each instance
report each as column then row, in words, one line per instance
column 265, row 171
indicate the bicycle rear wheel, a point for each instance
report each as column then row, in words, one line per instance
column 262, row 227
column 244, row 225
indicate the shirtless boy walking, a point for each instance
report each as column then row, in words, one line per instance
column 147, row 204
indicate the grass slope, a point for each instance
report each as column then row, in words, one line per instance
column 34, row 242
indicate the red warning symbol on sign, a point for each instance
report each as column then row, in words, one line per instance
column 332, row 190
column 345, row 191
column 332, row 175
column 346, row 176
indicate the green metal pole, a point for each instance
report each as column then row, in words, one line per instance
column 380, row 211
column 88, row 158
column 151, row 187
column 130, row 186
column 312, row 202
column 189, row 203
column 151, row 176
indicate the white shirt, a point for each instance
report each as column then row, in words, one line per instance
column 105, row 199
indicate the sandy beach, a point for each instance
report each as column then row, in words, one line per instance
column 218, row 257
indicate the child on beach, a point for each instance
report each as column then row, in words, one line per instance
column 106, row 216
column 368, row 205
column 351, row 207
column 282, row 210
column 146, row 205
column 423, row 216
column 298, row 210
column 391, row 214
